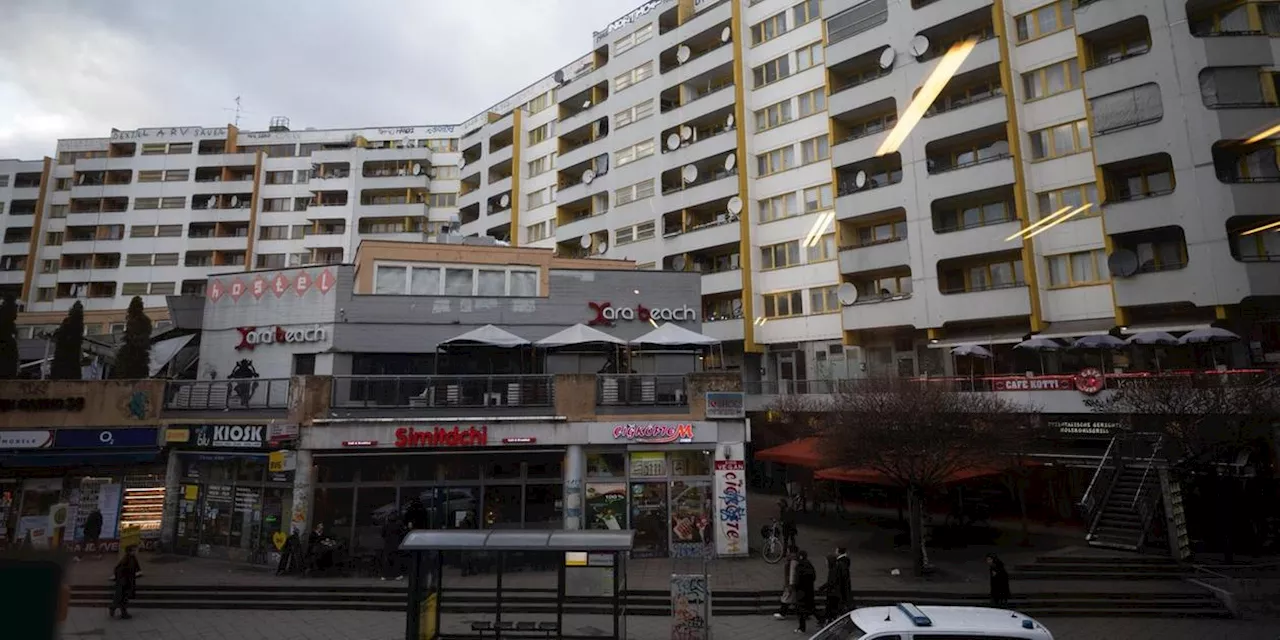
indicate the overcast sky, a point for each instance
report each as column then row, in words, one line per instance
column 77, row 68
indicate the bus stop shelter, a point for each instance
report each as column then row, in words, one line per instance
column 517, row 583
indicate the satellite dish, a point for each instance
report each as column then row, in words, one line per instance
column 735, row 205
column 686, row 132
column 558, row 76
column 604, row 246
column 602, row 164
column 504, row 200
column 726, row 34
column 847, row 294
column 683, row 53
column 673, row 141
column 462, row 162
column 80, row 180
column 860, row 179
column 405, row 143
column 679, row 262
column 213, row 201
column 585, row 241
column 886, row 57
column 730, row 161
column 1123, row 262
column 417, row 169
column 235, row 201
column 919, row 46
column 689, row 173
column 588, row 176
column 728, row 121
column 587, row 104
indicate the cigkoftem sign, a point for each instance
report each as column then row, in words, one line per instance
column 654, row 433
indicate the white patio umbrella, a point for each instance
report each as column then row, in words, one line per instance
column 1152, row 338
column 972, row 350
column 1102, row 343
column 1040, row 346
column 1211, row 336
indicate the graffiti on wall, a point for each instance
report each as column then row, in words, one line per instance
column 690, row 605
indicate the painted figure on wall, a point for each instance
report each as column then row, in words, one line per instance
column 244, row 371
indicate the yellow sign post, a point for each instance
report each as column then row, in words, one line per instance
column 130, row 537
column 427, row 618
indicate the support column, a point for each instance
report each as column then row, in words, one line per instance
column 172, row 492
column 300, row 520
column 575, row 464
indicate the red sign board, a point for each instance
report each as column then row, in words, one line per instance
column 280, row 284
column 237, row 289
column 216, row 290
column 1064, row 383
column 408, row 437
column 326, row 281
column 654, row 433
column 258, row 288
column 303, row 283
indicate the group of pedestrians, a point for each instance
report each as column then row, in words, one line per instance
column 799, row 593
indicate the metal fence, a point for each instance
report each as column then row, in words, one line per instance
column 227, row 395
column 642, row 390
column 368, row 392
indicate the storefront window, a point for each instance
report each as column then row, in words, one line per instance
column 244, row 525
column 648, row 464
column 421, row 468
column 251, row 469
column 606, row 465
column 503, row 469
column 690, row 518
column 332, row 508
column 502, row 508
column 606, row 505
column 543, row 506
column 459, row 506
column 337, row 469
column 689, row 463
column 546, row 467
column 215, row 521
column 383, row 469
column 374, row 505
column 461, row 468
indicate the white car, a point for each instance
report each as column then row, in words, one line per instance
column 906, row 621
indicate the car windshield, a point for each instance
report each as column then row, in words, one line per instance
column 842, row 629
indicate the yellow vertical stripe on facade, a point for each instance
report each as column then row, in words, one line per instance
column 517, row 134
column 253, row 210
column 33, row 245
column 744, row 219
column 1019, row 175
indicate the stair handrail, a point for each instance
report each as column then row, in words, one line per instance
column 1151, row 461
column 1091, row 502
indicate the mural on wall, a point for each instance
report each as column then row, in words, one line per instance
column 244, row 390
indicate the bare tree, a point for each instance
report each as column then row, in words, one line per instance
column 918, row 435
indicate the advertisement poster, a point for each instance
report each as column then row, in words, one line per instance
column 690, row 607
column 649, row 519
column 606, row 504
column 109, row 505
column 690, row 519
column 731, row 500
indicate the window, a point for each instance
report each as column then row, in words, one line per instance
column 177, row 175
column 772, row 71
column 137, row 260
column 303, row 175
column 978, row 214
column 806, row 12
column 1050, row 202
column 818, row 198
column 1064, row 139
column 539, row 166
column 443, row 144
column 442, row 200
column 537, row 199
column 389, row 280
column 150, row 176
column 810, row 56
column 275, row 204
column 48, row 266
column 812, row 102
column 1257, row 247
column 634, row 114
column 1059, row 77
column 773, row 115
column 459, row 282
column 540, row 231
column 856, row 19
column 824, row 300
column 270, row 261
column 165, row 260
column 180, row 148
column 1051, row 18
column 273, row 233
column 62, row 184
column 134, row 288
column 778, row 207
column 814, row 150
column 55, row 210
column 637, row 151
column 629, row 41
column 177, row 202
column 983, row 277
column 140, row 204
column 53, row 239
column 823, row 249
column 539, row 103
column 169, row 231
column 1126, row 109
column 631, row 193
column 154, row 149
column 1141, row 183
column 636, row 233
column 44, row 294
column 783, row 304
column 524, row 283
column 776, row 161
column 1077, row 269
column 539, row 134
column 633, row 77
column 769, row 28
column 279, row 177
column 780, row 256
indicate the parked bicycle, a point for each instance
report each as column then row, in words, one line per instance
column 772, row 551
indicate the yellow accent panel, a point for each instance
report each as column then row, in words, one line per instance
column 852, row 339
column 233, row 137
column 33, row 245
column 744, row 221
column 517, row 133
column 253, row 210
column 1220, row 312
column 1019, row 177
column 934, row 333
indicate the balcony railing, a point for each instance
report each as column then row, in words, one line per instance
column 641, row 390
column 390, row 392
column 227, row 395
column 1015, row 383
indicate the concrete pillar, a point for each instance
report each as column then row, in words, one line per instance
column 300, row 520
column 172, row 493
column 575, row 466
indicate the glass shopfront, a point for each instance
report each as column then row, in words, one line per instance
column 125, row 499
column 665, row 496
column 231, row 506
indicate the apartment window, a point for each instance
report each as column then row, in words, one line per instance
column 1051, row 18
column 137, row 260
column 539, row 166
column 177, row 175
column 633, row 77
column 814, row 150
column 882, row 233
column 442, row 200
column 165, row 260
column 810, row 56
column 1064, row 139
column 299, row 231
column 270, row 261
column 773, row 115
column 55, row 210
column 154, row 149
column 823, row 249
column 783, row 304
column 1059, row 77
column 778, row 207
column 448, row 172
column 632, row 153
column 135, row 288
column 176, row 202
column 631, row 193
column 53, row 239
column 44, row 294
column 141, row 204
column 824, row 299
column 781, row 255
column 818, row 198
column 984, row 277
column 634, row 233
column 806, row 12
column 813, row 101
column 1141, row 183
column 634, row 114
column 279, row 177
column 541, row 230
column 772, row 71
column 302, row 176
column 48, row 266
column 1050, row 202
column 539, row 103
column 856, row 19
column 62, row 184
column 776, row 161
column 1257, row 247
column 769, row 28
column 536, row 199
column 4, row 178
column 273, row 233
column 1078, row 269
column 169, row 231
column 629, row 41
column 1126, row 109
column 275, row 204
column 540, row 134
column 180, row 148
column 150, row 176
column 975, row 215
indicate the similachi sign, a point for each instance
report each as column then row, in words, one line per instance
column 408, row 437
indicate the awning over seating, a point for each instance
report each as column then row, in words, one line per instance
column 983, row 339
column 45, row 458
column 579, row 335
column 871, row 476
column 1078, row 328
column 804, row 452
column 488, row 335
column 671, row 335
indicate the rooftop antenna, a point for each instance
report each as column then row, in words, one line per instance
column 238, row 112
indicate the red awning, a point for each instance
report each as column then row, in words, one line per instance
column 871, row 476
column 803, row 453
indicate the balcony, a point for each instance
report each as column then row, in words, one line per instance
column 1136, row 191
column 859, row 133
column 852, row 31
column 680, row 100
column 396, row 174
column 256, row 394
column 935, row 12
column 858, row 82
column 576, row 146
column 869, row 186
column 880, row 312
column 706, row 225
column 588, row 72
column 442, row 394
column 701, row 137
column 875, row 256
column 714, row 282
column 972, row 101
column 696, row 55
column 968, row 162
column 699, row 182
column 874, row 243
column 641, row 390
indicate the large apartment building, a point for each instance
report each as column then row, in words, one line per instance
column 1071, row 167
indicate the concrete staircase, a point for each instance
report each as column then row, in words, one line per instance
column 1122, row 524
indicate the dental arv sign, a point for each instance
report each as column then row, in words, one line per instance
column 607, row 314
column 251, row 337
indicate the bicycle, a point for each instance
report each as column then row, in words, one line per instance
column 772, row 551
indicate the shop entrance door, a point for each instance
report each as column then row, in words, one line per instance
column 187, row 534
column 649, row 519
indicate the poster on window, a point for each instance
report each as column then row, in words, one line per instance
column 649, row 519
column 690, row 519
column 606, row 505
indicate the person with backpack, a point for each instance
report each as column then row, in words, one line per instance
column 806, row 577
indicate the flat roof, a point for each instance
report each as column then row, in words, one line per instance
column 518, row 540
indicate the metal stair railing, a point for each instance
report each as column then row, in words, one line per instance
column 1147, row 495
column 1104, row 479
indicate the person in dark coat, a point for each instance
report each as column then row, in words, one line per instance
column 806, row 578
column 416, row 516
column 831, row 595
column 842, row 580
column 787, row 518
column 787, row 599
column 126, row 577
column 93, row 532
column 392, row 534
column 999, row 581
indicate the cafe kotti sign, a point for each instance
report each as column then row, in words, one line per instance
column 607, row 314
column 251, row 337
column 408, row 437
column 654, row 433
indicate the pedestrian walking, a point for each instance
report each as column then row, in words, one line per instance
column 126, row 577
column 392, row 534
column 92, row 533
column 831, row 595
column 787, row 599
column 842, row 579
column 999, row 581
column 787, row 517
column 806, row 577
